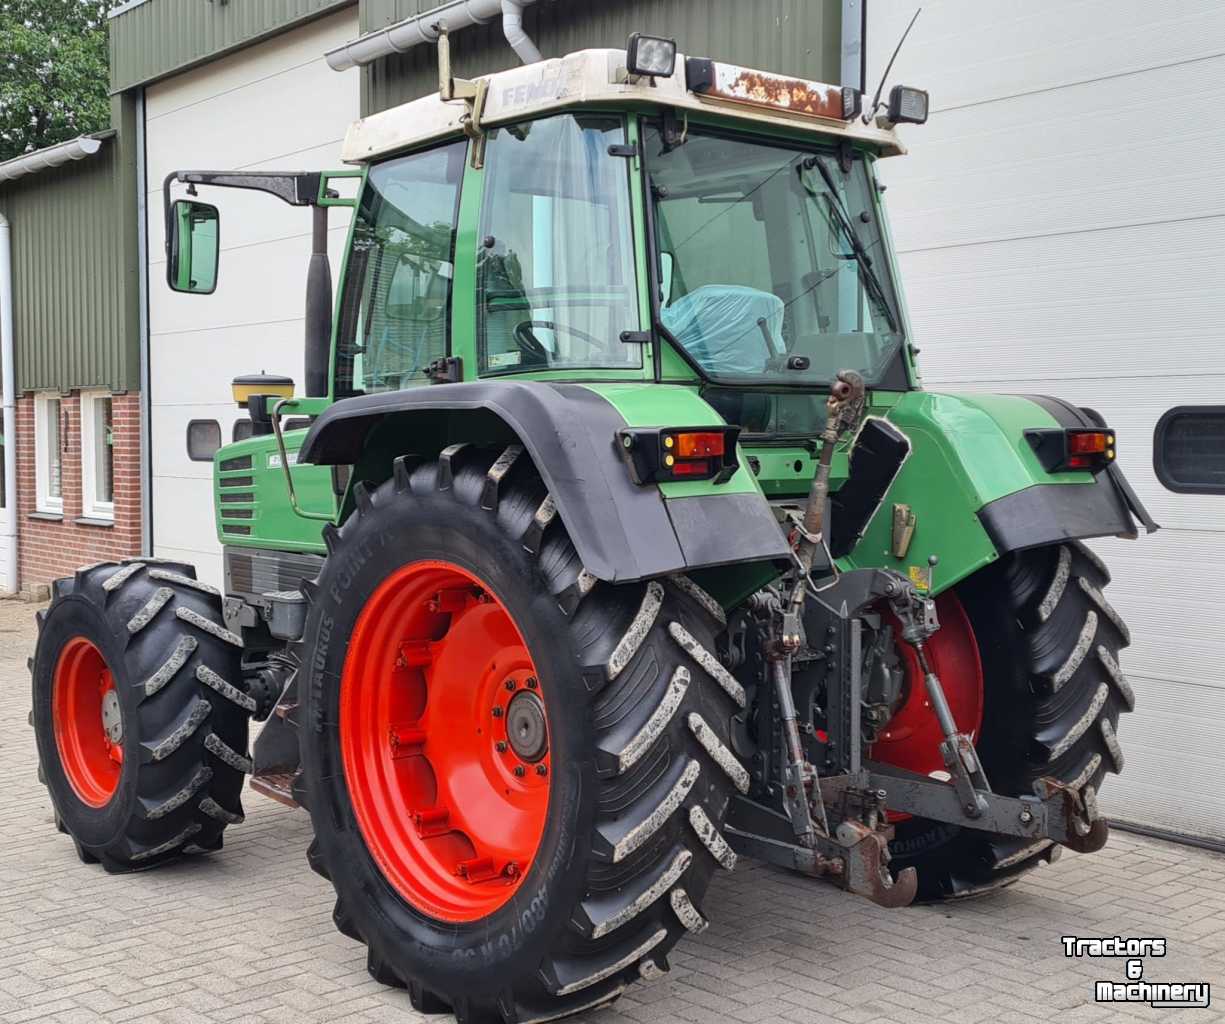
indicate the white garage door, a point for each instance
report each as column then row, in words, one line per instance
column 1060, row 223
column 276, row 106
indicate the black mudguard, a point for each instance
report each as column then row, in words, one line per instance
column 1049, row 513
column 622, row 531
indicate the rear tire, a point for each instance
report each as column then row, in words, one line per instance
column 641, row 770
column 166, row 780
column 1049, row 644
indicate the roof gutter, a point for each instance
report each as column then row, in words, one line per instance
column 52, row 156
column 423, row 28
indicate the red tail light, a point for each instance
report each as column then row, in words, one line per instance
column 656, row 455
column 696, row 445
column 1062, row 451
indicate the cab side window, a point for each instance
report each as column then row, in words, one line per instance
column 395, row 311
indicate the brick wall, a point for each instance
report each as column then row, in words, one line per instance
column 47, row 548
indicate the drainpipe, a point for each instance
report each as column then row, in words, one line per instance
column 8, row 527
column 512, row 28
column 419, row 29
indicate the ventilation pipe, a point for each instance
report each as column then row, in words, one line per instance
column 421, row 28
column 8, row 521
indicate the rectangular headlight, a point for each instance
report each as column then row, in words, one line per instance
column 650, row 55
column 907, row 105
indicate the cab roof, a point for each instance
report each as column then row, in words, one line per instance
column 598, row 77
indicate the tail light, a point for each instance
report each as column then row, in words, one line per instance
column 1087, row 449
column 660, row 454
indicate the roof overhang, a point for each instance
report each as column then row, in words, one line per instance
column 585, row 78
column 53, row 156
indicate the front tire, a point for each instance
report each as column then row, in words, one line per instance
column 1049, row 644
column 638, row 753
column 139, row 715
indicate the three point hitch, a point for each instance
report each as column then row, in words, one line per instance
column 833, row 823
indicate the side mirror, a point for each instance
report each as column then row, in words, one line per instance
column 193, row 247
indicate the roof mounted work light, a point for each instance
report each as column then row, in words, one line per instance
column 907, row 105
column 651, row 56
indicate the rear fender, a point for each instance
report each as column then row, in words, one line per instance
column 622, row 531
column 978, row 491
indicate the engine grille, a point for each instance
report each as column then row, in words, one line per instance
column 260, row 571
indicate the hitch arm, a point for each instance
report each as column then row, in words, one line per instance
column 1058, row 815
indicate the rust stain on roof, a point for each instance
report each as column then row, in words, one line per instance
column 778, row 91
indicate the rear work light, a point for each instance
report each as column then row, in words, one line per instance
column 659, row 454
column 650, row 56
column 1087, row 449
column 907, row 105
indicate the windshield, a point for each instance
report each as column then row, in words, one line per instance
column 772, row 263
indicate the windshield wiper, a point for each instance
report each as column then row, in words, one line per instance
column 875, row 288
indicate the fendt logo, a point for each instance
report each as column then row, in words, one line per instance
column 1135, row 989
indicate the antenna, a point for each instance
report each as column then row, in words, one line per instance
column 867, row 117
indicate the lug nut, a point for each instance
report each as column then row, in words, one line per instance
column 511, row 870
column 510, row 684
column 500, row 746
column 520, row 771
column 497, row 712
column 542, row 769
column 531, row 683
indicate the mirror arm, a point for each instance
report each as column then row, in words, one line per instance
column 297, row 188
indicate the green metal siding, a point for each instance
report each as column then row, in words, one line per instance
column 74, row 286
column 797, row 37
column 161, row 37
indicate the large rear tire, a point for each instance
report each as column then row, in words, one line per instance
column 638, row 768
column 139, row 714
column 1049, row 646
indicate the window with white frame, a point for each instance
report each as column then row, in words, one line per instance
column 97, row 455
column 48, row 454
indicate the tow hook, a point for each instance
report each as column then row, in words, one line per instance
column 867, row 873
column 1087, row 832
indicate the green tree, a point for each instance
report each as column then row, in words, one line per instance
column 53, row 72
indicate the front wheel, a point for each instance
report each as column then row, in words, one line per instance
column 1030, row 647
column 139, row 713
column 516, row 774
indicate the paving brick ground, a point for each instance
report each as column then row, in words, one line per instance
column 246, row 935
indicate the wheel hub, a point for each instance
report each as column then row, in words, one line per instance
column 525, row 725
column 112, row 720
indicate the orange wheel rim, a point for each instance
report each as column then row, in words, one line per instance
column 87, row 722
column 912, row 737
column 444, row 741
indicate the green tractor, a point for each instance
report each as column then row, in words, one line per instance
column 612, row 539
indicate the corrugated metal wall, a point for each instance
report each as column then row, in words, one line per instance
column 799, row 37
column 162, row 36
column 71, row 322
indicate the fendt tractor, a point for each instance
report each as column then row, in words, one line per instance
column 612, row 539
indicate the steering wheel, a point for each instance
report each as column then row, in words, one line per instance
column 530, row 345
